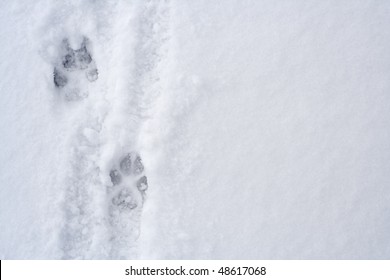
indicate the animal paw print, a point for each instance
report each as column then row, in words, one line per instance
column 128, row 179
column 72, row 67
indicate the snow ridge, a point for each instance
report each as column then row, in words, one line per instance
column 152, row 33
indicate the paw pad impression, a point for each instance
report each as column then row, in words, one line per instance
column 130, row 167
column 76, row 61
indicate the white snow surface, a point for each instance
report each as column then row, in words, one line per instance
column 263, row 126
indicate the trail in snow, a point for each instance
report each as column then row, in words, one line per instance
column 151, row 30
column 71, row 76
column 106, row 181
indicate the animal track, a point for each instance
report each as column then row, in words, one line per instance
column 127, row 179
column 73, row 68
column 126, row 196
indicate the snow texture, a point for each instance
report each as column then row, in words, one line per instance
column 195, row 129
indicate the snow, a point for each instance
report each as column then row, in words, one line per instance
column 263, row 127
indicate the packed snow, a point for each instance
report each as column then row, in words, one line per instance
column 195, row 129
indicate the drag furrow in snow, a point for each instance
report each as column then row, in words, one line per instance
column 73, row 72
column 81, row 205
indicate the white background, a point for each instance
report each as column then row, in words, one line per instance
column 321, row 270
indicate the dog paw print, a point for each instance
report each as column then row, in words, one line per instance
column 128, row 176
column 73, row 67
